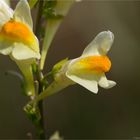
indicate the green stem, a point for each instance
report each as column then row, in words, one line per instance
column 40, row 105
column 53, row 88
column 41, row 129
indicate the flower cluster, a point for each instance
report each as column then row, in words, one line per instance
column 18, row 40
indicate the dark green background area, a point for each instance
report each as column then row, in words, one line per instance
column 75, row 112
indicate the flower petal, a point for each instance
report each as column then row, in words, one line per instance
column 100, row 45
column 22, row 13
column 5, row 12
column 104, row 83
column 111, row 83
column 5, row 47
column 22, row 52
column 87, row 81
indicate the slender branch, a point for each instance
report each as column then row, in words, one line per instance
column 39, row 78
column 40, row 105
column 53, row 88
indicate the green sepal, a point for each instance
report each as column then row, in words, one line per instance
column 58, row 66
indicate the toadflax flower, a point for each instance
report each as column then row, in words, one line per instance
column 18, row 40
column 88, row 70
column 16, row 36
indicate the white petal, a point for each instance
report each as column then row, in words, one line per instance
column 111, row 83
column 22, row 52
column 22, row 13
column 87, row 81
column 100, row 45
column 104, row 83
column 36, row 45
column 5, row 12
column 5, row 47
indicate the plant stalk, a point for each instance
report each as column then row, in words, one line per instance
column 41, row 128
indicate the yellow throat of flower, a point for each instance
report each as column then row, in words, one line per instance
column 18, row 32
column 97, row 64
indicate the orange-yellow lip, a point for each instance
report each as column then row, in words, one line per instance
column 96, row 64
column 18, row 32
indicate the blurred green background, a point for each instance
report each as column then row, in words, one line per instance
column 75, row 112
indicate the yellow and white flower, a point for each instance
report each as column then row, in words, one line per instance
column 89, row 69
column 18, row 40
column 16, row 32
